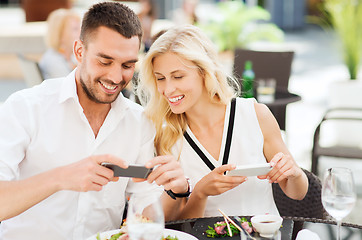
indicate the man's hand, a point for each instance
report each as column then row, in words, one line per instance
column 88, row 174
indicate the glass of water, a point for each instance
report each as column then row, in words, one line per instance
column 338, row 194
column 145, row 219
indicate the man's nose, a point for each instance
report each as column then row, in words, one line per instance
column 116, row 74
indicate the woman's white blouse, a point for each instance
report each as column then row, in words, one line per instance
column 251, row 197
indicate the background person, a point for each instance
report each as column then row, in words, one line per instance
column 54, row 137
column 63, row 29
column 147, row 15
column 187, row 95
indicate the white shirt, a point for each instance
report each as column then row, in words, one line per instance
column 44, row 127
column 252, row 197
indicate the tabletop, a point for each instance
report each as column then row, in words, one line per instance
column 290, row 227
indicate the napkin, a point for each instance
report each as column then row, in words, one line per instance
column 306, row 234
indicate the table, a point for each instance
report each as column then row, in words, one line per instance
column 290, row 227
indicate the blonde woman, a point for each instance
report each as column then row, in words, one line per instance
column 63, row 30
column 189, row 98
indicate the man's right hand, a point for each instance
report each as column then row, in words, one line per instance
column 88, row 174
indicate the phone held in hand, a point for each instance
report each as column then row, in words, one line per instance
column 133, row 171
column 251, row 170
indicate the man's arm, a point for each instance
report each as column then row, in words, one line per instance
column 82, row 176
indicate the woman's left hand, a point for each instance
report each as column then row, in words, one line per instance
column 284, row 168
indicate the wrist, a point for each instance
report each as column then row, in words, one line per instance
column 186, row 194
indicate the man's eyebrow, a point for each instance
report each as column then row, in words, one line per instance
column 102, row 55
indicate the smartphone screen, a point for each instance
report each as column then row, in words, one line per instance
column 133, row 171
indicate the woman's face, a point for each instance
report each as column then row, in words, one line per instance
column 179, row 81
column 71, row 32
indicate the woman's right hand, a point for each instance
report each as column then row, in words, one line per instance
column 216, row 182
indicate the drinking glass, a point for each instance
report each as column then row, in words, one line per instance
column 338, row 194
column 145, row 219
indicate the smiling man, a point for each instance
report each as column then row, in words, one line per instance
column 55, row 136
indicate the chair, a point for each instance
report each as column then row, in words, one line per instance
column 310, row 207
column 275, row 65
column 338, row 150
column 31, row 71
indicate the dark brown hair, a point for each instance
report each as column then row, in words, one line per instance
column 115, row 16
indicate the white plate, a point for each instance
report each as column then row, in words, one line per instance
column 166, row 232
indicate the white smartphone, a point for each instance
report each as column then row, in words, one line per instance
column 133, row 171
column 250, row 170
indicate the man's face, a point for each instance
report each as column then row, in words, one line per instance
column 106, row 65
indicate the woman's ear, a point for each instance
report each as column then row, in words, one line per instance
column 78, row 50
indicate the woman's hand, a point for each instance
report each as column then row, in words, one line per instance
column 216, row 182
column 167, row 172
column 284, row 168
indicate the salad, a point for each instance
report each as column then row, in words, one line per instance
column 124, row 236
column 220, row 229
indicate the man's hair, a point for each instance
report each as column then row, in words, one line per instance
column 112, row 15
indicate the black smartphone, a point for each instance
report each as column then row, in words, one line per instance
column 133, row 171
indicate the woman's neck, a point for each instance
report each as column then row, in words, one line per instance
column 207, row 115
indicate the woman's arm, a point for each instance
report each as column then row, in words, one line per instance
column 286, row 172
column 212, row 184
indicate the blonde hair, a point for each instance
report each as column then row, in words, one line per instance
column 56, row 24
column 189, row 43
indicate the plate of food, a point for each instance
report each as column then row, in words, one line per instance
column 168, row 234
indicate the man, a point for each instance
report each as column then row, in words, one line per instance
column 54, row 137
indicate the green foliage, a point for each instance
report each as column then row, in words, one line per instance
column 346, row 18
column 239, row 25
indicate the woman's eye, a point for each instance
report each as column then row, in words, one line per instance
column 178, row 77
column 105, row 63
column 160, row 78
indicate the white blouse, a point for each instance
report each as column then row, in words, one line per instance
column 249, row 198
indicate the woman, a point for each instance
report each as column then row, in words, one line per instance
column 63, row 30
column 189, row 99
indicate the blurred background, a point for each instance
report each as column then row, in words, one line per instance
column 322, row 34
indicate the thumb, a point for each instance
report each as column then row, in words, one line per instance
column 224, row 168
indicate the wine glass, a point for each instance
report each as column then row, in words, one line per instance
column 145, row 219
column 338, row 194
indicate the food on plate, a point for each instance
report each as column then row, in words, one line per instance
column 124, row 236
column 219, row 229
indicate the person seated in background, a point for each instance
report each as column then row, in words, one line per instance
column 63, row 30
column 147, row 15
column 192, row 103
column 186, row 14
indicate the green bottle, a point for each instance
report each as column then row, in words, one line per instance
column 248, row 80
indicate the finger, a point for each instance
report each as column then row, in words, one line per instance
column 277, row 157
column 138, row 179
column 159, row 160
column 108, row 158
column 224, row 168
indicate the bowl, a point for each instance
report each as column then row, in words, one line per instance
column 266, row 225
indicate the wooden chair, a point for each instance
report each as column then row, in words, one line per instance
column 266, row 65
column 338, row 150
column 31, row 71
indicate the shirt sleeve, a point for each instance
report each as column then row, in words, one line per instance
column 146, row 153
column 14, row 136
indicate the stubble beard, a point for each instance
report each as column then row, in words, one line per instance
column 92, row 94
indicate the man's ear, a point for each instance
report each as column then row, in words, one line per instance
column 78, row 50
